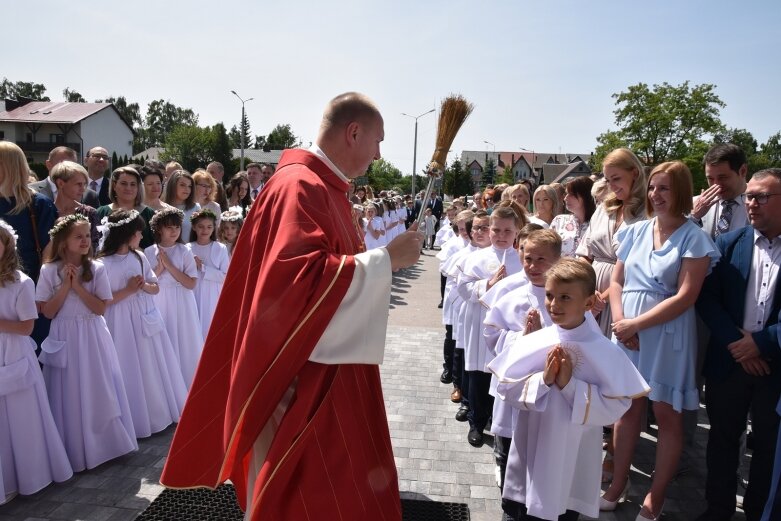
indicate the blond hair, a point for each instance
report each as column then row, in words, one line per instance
column 625, row 159
column 65, row 170
column 14, row 174
column 544, row 239
column 203, row 175
column 568, row 270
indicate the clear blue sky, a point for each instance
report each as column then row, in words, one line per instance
column 540, row 73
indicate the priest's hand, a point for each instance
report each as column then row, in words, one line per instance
column 404, row 250
column 533, row 322
column 551, row 367
column 565, row 369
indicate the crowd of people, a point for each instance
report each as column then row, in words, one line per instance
column 112, row 280
column 681, row 305
column 574, row 304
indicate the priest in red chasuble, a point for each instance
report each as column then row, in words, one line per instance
column 286, row 401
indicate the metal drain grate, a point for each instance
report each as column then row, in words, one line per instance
column 220, row 505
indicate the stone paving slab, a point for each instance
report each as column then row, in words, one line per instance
column 434, row 460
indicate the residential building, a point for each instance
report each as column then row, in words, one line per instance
column 39, row 126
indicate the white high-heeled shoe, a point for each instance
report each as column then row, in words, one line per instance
column 605, row 505
column 641, row 517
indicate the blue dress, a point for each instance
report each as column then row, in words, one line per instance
column 667, row 358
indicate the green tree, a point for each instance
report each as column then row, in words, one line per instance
column 506, row 176
column 72, row 96
column 489, row 173
column 190, row 145
column 458, row 180
column 607, row 141
column 663, row 122
column 221, row 149
column 161, row 119
column 245, row 130
column 746, row 141
column 772, row 150
column 130, row 111
column 282, row 137
column 235, row 137
column 24, row 89
column 382, row 175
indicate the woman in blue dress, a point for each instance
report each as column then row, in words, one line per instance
column 661, row 265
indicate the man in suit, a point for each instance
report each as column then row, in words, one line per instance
column 97, row 165
column 255, row 178
column 740, row 302
column 721, row 208
column 217, row 171
column 48, row 188
column 435, row 203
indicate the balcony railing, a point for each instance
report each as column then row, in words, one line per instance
column 44, row 147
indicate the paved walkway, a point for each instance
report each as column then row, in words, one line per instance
column 432, row 454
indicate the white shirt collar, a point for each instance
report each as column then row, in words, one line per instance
column 316, row 150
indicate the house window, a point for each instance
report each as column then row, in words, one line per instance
column 28, row 137
column 57, row 138
column 2, row 135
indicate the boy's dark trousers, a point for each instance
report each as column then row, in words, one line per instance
column 459, row 376
column 447, row 353
column 517, row 512
column 481, row 403
column 501, row 450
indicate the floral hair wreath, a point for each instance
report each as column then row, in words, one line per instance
column 64, row 222
column 162, row 214
column 106, row 226
column 10, row 229
column 200, row 214
column 233, row 214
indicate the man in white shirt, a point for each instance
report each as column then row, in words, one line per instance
column 48, row 188
column 740, row 303
column 721, row 208
column 97, row 164
column 255, row 178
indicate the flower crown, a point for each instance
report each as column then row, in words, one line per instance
column 132, row 215
column 64, row 222
column 206, row 212
column 162, row 214
column 10, row 229
column 233, row 214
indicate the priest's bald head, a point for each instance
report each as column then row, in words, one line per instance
column 351, row 132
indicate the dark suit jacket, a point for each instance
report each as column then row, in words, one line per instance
column 411, row 214
column 90, row 198
column 721, row 305
column 103, row 195
column 436, row 207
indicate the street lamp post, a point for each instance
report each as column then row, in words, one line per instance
column 241, row 126
column 533, row 159
column 415, row 146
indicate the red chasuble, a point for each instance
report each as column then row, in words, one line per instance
column 331, row 457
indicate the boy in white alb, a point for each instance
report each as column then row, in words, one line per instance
column 517, row 312
column 567, row 381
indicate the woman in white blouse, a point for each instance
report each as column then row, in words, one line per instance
column 572, row 226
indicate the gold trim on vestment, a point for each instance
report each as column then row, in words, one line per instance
column 588, row 404
column 284, row 346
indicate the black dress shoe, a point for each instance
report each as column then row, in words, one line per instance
column 462, row 412
column 475, row 437
column 446, row 377
column 439, row 305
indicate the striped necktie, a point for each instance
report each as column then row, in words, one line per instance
column 725, row 218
